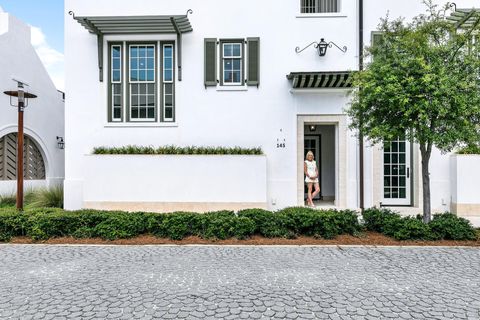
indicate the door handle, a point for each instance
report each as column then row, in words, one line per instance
column 408, row 173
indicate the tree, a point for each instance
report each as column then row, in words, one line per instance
column 422, row 83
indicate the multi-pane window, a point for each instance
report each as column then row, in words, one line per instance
column 116, row 83
column 168, row 82
column 142, row 82
column 319, row 6
column 141, row 88
column 232, row 58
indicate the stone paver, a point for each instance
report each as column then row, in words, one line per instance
column 152, row 282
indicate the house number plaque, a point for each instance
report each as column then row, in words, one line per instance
column 281, row 142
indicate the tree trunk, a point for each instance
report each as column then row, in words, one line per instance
column 427, row 210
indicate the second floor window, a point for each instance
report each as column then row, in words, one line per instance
column 319, row 6
column 141, row 89
column 232, row 61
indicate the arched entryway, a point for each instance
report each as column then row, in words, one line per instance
column 34, row 168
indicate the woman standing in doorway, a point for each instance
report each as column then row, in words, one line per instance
column 311, row 177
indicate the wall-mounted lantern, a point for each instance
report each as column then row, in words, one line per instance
column 21, row 103
column 322, row 47
column 60, row 143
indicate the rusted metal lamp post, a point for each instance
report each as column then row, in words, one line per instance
column 22, row 103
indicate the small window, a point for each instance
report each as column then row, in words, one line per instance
column 116, row 100
column 168, row 83
column 232, row 63
column 319, row 6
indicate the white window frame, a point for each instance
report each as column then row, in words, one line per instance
column 130, row 82
column 113, row 82
column 240, row 57
column 407, row 201
column 165, row 82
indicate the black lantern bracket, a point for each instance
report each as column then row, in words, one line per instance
column 322, row 47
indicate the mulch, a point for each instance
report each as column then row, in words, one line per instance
column 367, row 239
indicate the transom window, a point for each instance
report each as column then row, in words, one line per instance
column 232, row 56
column 319, row 6
column 147, row 93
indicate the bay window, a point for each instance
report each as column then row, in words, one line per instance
column 146, row 78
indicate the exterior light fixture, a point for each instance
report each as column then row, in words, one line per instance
column 22, row 103
column 313, row 128
column 60, row 143
column 322, row 47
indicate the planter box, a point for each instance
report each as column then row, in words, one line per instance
column 465, row 179
column 165, row 183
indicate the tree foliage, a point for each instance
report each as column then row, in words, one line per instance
column 423, row 82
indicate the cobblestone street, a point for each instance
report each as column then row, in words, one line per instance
column 107, row 282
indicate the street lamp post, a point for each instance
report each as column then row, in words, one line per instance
column 22, row 103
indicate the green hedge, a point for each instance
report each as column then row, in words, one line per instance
column 192, row 150
column 445, row 226
column 42, row 224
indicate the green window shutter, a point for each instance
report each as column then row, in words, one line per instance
column 210, row 62
column 253, row 68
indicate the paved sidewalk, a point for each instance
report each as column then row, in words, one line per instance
column 102, row 282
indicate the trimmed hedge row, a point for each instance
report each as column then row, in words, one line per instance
column 445, row 226
column 42, row 224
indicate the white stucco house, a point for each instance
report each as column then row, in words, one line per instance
column 43, row 118
column 229, row 73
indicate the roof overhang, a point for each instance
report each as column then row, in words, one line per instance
column 128, row 25
column 321, row 80
column 465, row 18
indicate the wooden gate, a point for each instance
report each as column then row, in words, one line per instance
column 34, row 166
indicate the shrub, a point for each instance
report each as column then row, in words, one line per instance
column 50, row 223
column 244, row 228
column 7, row 200
column 450, row 227
column 51, row 197
column 412, row 229
column 443, row 227
column 176, row 226
column 12, row 224
column 121, row 226
column 378, row 219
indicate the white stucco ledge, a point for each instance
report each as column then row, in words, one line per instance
column 465, row 177
column 166, row 183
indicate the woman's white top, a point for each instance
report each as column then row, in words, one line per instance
column 312, row 171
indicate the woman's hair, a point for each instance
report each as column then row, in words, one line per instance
column 309, row 153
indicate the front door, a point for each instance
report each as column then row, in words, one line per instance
column 397, row 173
column 312, row 143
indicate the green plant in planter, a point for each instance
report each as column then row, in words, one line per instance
column 175, row 150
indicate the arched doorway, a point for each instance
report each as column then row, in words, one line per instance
column 34, row 165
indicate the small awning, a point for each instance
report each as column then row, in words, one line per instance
column 465, row 18
column 315, row 80
column 126, row 25
column 136, row 24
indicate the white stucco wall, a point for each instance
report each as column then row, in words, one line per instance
column 44, row 116
column 176, row 180
column 254, row 117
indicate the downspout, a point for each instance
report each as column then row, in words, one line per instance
column 360, row 136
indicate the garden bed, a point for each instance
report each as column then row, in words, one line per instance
column 366, row 239
column 290, row 226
